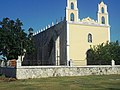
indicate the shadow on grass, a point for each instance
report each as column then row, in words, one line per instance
column 5, row 79
column 113, row 88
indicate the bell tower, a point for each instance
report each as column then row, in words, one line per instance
column 102, row 14
column 72, row 11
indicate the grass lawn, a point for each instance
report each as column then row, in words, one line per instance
column 111, row 82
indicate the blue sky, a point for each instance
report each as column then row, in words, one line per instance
column 39, row 13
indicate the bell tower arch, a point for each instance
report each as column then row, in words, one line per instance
column 72, row 11
column 102, row 14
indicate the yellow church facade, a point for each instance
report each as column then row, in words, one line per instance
column 67, row 42
column 86, row 32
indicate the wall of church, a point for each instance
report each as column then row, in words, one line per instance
column 45, row 45
column 78, row 36
column 45, row 49
column 63, row 44
column 50, row 47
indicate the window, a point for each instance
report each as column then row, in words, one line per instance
column 72, row 6
column 102, row 10
column 90, row 38
column 71, row 17
column 103, row 20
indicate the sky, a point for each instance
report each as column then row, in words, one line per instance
column 39, row 13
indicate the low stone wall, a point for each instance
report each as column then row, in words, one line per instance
column 26, row 72
column 8, row 71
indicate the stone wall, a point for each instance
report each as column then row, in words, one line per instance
column 26, row 72
column 8, row 72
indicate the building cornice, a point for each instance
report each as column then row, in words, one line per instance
column 88, row 24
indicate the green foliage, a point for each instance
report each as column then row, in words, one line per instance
column 13, row 40
column 103, row 54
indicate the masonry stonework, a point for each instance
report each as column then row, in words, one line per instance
column 43, row 72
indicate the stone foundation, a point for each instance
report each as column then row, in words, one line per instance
column 42, row 72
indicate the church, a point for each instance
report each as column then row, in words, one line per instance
column 67, row 42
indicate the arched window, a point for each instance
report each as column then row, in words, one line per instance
column 103, row 20
column 71, row 17
column 90, row 38
column 102, row 10
column 72, row 6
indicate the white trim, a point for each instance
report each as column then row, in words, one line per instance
column 109, row 34
column 66, row 14
column 72, row 9
column 77, row 16
column 68, row 43
column 89, row 66
column 88, row 24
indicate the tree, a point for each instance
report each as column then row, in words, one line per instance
column 13, row 40
column 103, row 54
column 115, row 51
column 30, row 47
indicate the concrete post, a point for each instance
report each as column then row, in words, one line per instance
column 2, row 63
column 19, row 61
column 113, row 63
